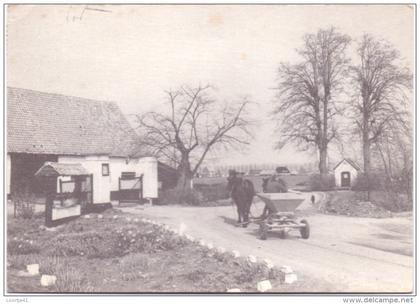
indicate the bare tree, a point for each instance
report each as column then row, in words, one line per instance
column 192, row 125
column 381, row 86
column 308, row 93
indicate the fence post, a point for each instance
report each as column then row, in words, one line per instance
column 48, row 210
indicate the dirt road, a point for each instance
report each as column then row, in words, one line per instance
column 343, row 254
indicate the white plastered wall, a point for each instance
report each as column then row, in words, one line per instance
column 103, row 185
column 345, row 167
column 93, row 164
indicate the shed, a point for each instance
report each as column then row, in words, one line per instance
column 57, row 169
column 74, row 195
column 345, row 173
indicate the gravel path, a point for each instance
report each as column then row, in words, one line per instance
column 343, row 254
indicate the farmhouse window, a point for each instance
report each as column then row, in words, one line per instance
column 105, row 169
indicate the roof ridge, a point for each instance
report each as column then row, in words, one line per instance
column 65, row 96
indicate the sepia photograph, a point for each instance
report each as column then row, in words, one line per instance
column 209, row 149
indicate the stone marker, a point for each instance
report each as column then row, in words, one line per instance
column 33, row 269
column 100, row 216
column 252, row 259
column 182, row 228
column 236, row 253
column 233, row 290
column 286, row 269
column 202, row 243
column 48, row 280
column 268, row 263
column 263, row 286
column 290, row 278
column 210, row 246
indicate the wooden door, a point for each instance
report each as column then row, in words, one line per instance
column 345, row 179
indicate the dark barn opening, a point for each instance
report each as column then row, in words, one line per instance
column 23, row 167
column 167, row 176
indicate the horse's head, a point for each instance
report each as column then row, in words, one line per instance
column 233, row 179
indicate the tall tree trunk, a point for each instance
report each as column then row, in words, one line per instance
column 323, row 150
column 323, row 170
column 366, row 155
column 185, row 174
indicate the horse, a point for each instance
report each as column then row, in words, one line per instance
column 242, row 193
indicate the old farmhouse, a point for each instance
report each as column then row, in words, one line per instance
column 86, row 135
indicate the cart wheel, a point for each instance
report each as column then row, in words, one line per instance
column 305, row 231
column 263, row 231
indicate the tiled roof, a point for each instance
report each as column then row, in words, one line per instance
column 351, row 162
column 45, row 123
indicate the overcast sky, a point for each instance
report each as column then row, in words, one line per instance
column 131, row 54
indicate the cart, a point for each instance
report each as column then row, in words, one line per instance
column 281, row 215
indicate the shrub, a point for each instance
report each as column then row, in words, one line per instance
column 19, row 246
column 376, row 182
column 319, row 183
column 20, row 261
column 129, row 239
column 24, row 204
column 50, row 265
column 89, row 244
column 250, row 272
column 180, row 197
column 71, row 280
column 212, row 192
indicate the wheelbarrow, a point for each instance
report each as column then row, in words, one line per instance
column 281, row 214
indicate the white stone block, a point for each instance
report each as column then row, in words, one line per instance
column 252, row 259
column 48, row 280
column 233, row 290
column 290, row 278
column 100, row 216
column 210, row 246
column 263, row 286
column 33, row 269
column 202, row 243
column 268, row 263
column 87, row 216
column 286, row 269
column 236, row 253
column 182, row 228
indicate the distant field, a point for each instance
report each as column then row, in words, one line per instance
column 292, row 181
